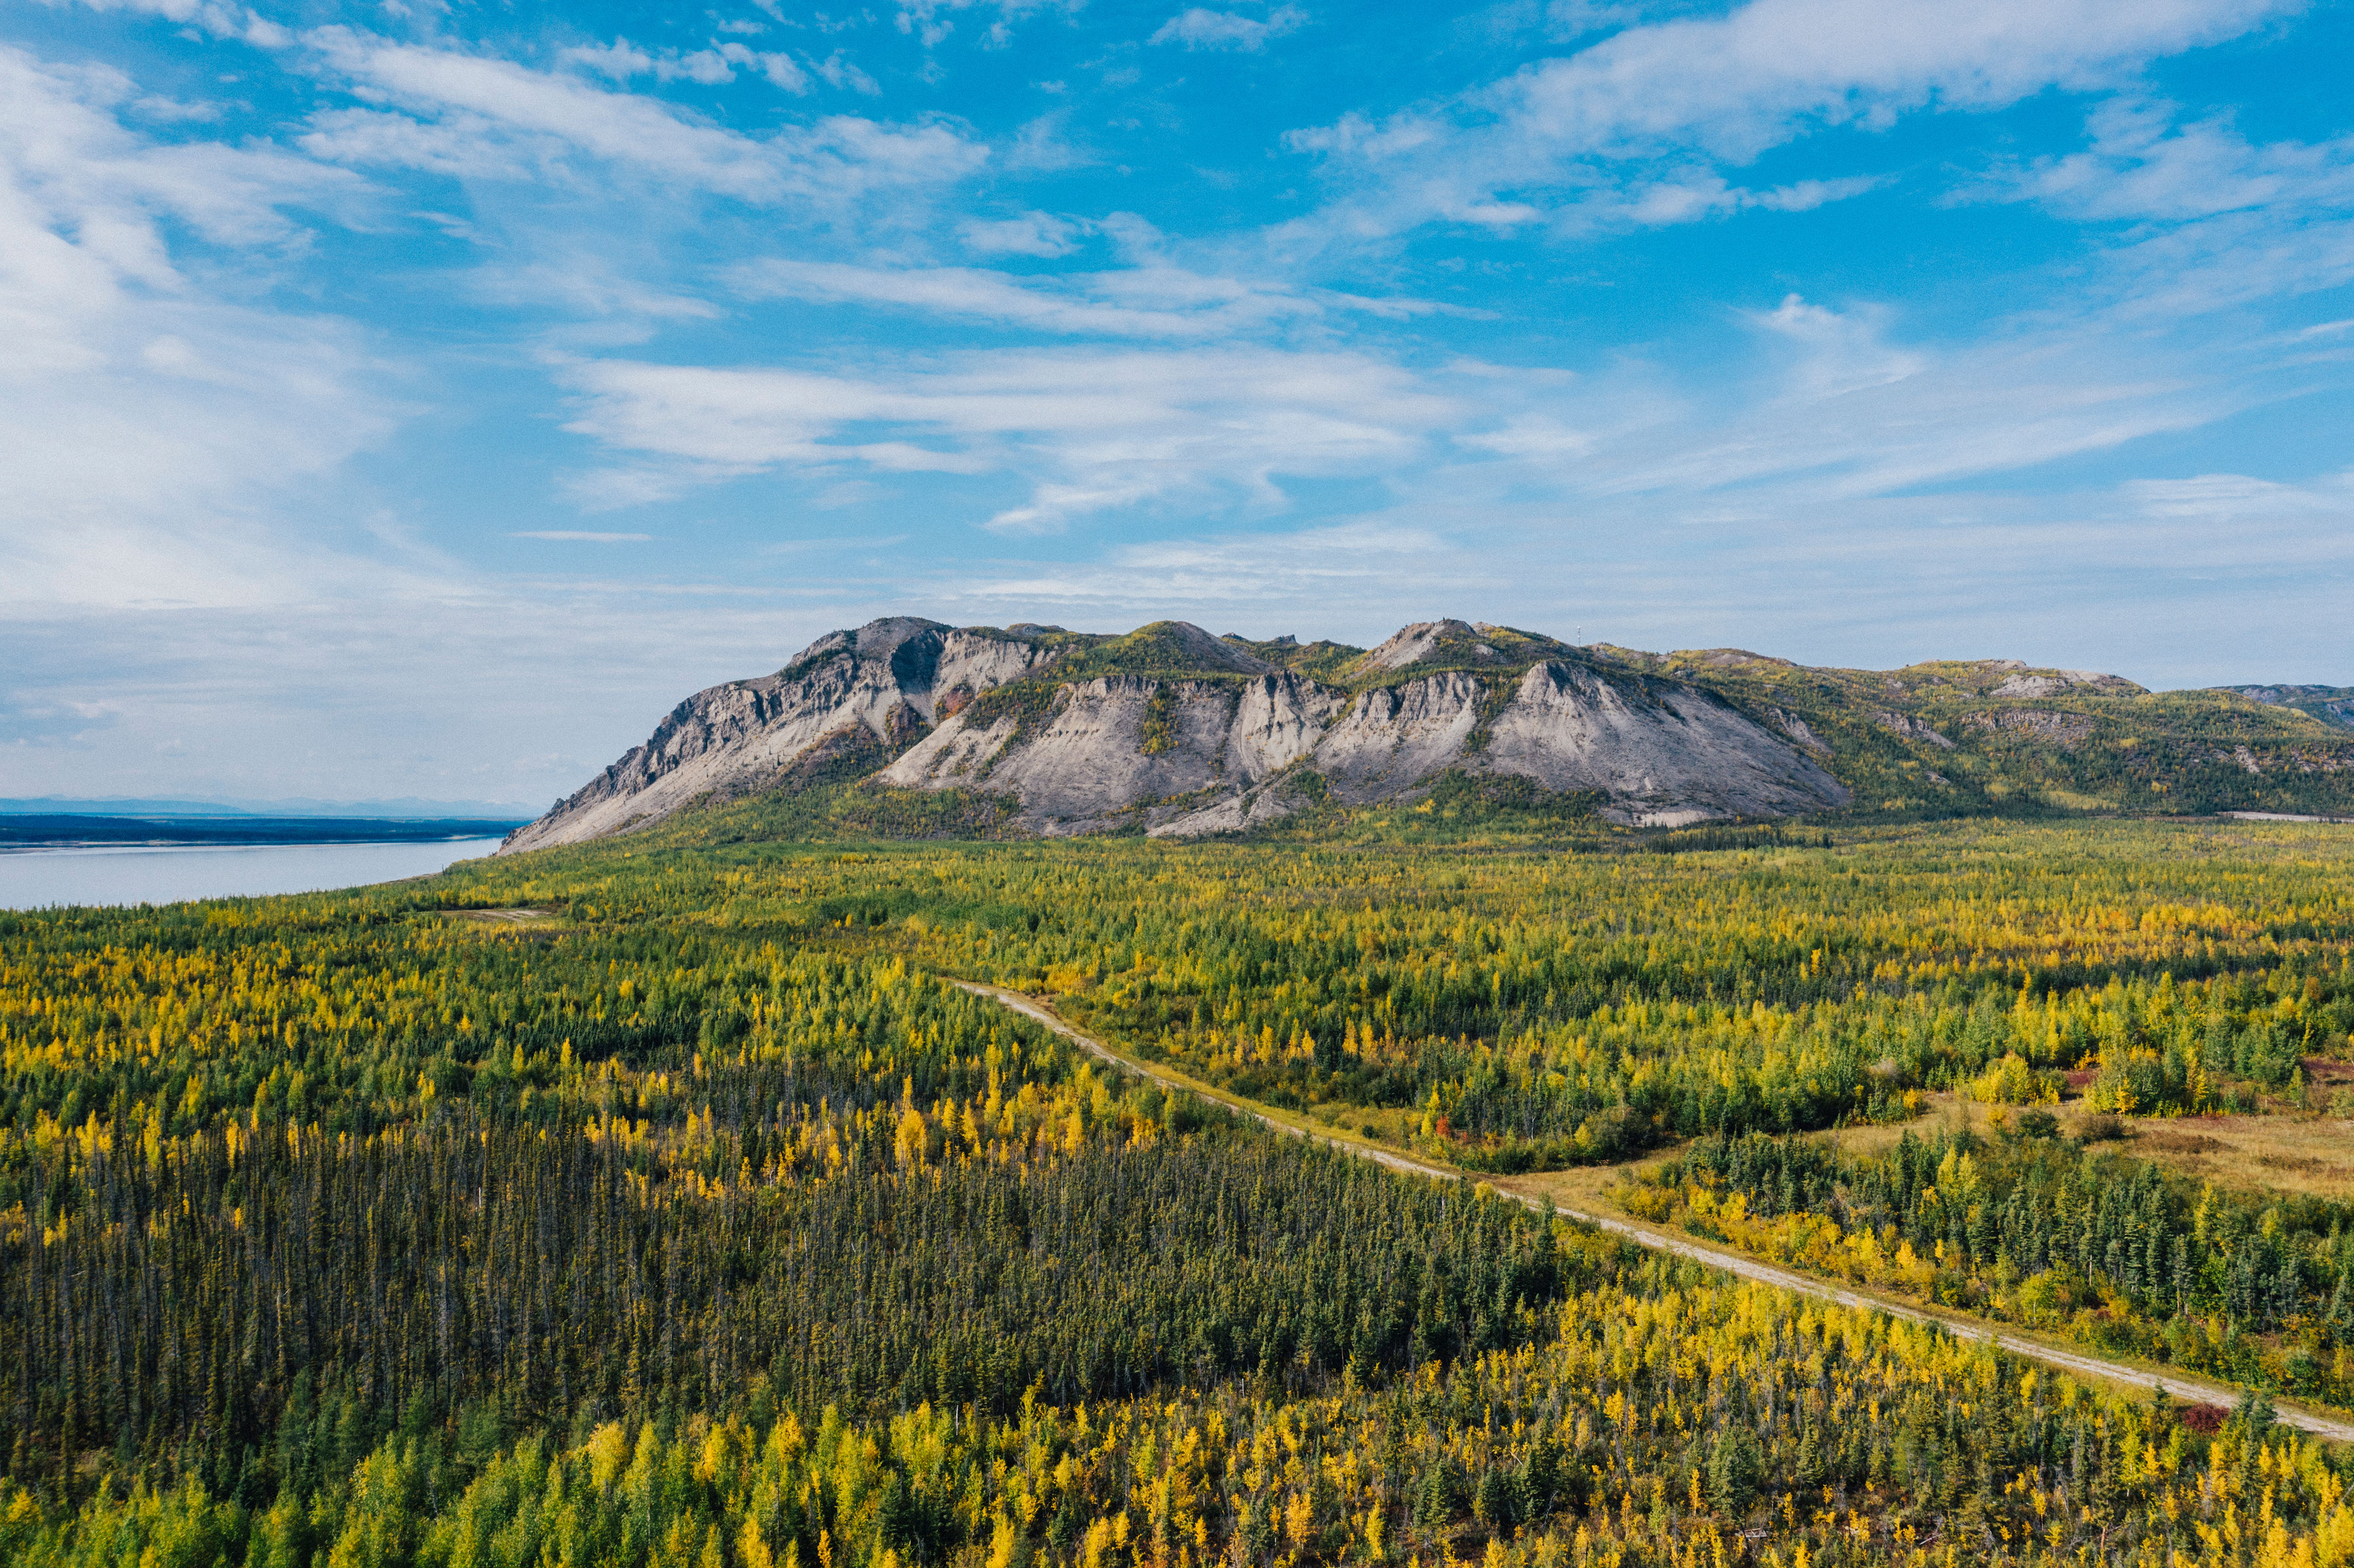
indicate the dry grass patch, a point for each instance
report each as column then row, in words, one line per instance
column 2160, row 1140
column 1585, row 1188
column 2283, row 1154
column 2307, row 1154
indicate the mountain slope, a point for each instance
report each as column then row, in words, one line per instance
column 1208, row 737
column 847, row 704
column 1960, row 735
column 2330, row 705
column 1171, row 730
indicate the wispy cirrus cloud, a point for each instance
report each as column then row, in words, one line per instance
column 1357, row 569
column 2206, row 218
column 1200, row 27
column 146, row 421
column 1078, row 430
column 1565, row 140
column 620, row 60
column 1160, row 302
column 328, row 356
column 580, row 536
column 481, row 116
column 2147, row 162
column 1031, row 234
column 1831, row 404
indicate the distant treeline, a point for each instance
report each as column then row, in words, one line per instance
column 30, row 827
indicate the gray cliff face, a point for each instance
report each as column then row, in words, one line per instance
column 1393, row 737
column 1099, row 753
column 1662, row 754
column 1278, row 719
column 1239, row 744
column 1666, row 755
column 849, row 697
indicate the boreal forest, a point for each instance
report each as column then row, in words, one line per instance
column 674, row 1199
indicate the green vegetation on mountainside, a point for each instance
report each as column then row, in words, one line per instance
column 2333, row 706
column 1938, row 739
column 1932, row 740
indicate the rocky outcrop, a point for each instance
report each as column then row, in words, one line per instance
column 1394, row 738
column 2057, row 729
column 847, row 704
column 1664, row 753
column 2330, row 705
column 1117, row 745
column 1416, row 643
column 1661, row 754
column 1912, row 728
column 1181, row 733
column 2058, row 683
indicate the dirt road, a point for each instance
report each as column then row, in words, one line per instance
column 2193, row 1389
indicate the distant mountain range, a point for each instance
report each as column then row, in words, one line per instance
column 1169, row 730
column 405, row 807
column 51, row 829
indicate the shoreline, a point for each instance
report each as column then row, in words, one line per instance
column 36, row 846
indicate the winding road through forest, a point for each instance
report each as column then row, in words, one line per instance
column 2191, row 1389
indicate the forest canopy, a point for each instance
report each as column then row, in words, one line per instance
column 692, row 1214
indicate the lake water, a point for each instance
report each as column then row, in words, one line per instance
column 138, row 874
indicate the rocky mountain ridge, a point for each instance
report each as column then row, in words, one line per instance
column 846, row 705
column 2330, row 705
column 1174, row 731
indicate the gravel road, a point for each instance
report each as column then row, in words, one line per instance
column 2192, row 1389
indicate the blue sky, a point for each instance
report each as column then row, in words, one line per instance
column 419, row 400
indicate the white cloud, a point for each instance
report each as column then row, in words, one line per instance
column 484, row 116
column 619, row 60
column 839, row 72
column 1739, row 84
column 1842, row 351
column 1584, row 127
column 147, row 422
column 2144, row 165
column 1833, row 407
column 1032, row 234
column 1042, row 147
column 708, row 67
column 1083, row 430
column 583, row 279
column 1200, row 27
column 2215, row 220
column 220, row 19
column 1152, row 300
column 2235, row 503
column 1832, row 404
column 1372, row 569
column 581, row 536
column 1688, row 196
column 777, row 65
column 1542, row 437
